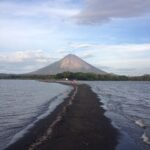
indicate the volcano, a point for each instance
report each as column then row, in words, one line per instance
column 70, row 63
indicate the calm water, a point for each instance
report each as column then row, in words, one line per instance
column 23, row 103
column 128, row 106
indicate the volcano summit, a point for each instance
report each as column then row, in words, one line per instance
column 70, row 63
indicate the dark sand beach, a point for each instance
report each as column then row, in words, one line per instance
column 77, row 124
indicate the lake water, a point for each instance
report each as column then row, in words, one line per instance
column 23, row 103
column 127, row 104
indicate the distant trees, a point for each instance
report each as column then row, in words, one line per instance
column 78, row 76
column 141, row 78
column 102, row 77
column 26, row 76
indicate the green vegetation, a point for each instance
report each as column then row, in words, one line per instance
column 104, row 77
column 26, row 76
column 78, row 76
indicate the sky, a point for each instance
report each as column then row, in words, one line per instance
column 112, row 35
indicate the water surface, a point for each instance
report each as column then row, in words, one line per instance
column 23, row 103
column 128, row 106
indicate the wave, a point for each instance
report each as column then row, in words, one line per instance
column 127, row 106
column 52, row 105
column 145, row 138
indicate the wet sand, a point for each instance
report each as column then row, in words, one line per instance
column 77, row 124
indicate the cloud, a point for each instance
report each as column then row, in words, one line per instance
column 120, row 71
column 80, row 45
column 127, row 66
column 34, row 24
column 100, row 11
column 87, row 55
column 112, row 47
column 20, row 56
column 49, row 9
column 128, row 59
column 24, row 61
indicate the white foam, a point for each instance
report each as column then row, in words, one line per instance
column 145, row 138
column 140, row 123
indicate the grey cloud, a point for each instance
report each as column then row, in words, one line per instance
column 100, row 11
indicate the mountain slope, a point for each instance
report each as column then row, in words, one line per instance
column 71, row 63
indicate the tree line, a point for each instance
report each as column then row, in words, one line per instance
column 77, row 76
column 101, row 77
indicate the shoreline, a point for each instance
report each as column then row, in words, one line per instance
column 76, row 124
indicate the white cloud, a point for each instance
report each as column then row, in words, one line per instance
column 20, row 56
column 24, row 61
column 34, row 24
column 81, row 45
column 135, row 63
column 38, row 9
column 99, row 11
column 30, row 60
column 133, row 59
column 112, row 53
column 87, row 55
column 126, row 67
column 113, row 47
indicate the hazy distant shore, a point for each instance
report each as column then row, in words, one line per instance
column 76, row 124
